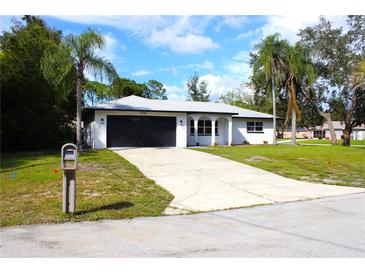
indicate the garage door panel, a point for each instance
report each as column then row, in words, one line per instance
column 141, row 131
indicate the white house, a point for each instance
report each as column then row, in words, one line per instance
column 139, row 122
column 358, row 133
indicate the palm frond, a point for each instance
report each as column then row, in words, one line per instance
column 58, row 68
column 101, row 65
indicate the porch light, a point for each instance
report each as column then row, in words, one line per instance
column 181, row 122
column 102, row 121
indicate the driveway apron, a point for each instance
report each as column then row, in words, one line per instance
column 203, row 182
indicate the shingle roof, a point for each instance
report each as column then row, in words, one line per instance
column 143, row 104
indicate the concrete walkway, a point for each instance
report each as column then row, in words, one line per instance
column 328, row 227
column 203, row 182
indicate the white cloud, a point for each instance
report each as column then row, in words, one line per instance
column 182, row 34
column 138, row 25
column 247, row 34
column 239, row 67
column 216, row 85
column 175, row 93
column 289, row 25
column 111, row 49
column 141, row 73
column 242, row 56
column 187, row 43
column 234, row 22
column 219, row 84
column 208, row 65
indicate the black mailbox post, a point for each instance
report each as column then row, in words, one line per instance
column 69, row 157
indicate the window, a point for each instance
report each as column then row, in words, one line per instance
column 204, row 128
column 317, row 133
column 255, row 127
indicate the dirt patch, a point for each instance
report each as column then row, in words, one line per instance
column 259, row 158
column 89, row 166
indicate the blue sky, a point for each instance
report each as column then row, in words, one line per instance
column 170, row 48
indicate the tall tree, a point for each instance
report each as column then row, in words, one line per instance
column 155, row 90
column 268, row 61
column 335, row 54
column 34, row 114
column 299, row 77
column 72, row 58
column 197, row 90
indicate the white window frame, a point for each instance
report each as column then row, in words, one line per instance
column 204, row 127
column 256, row 125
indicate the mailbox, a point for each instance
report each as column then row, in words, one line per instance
column 69, row 165
column 69, row 157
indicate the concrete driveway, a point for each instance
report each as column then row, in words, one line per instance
column 202, row 182
column 328, row 227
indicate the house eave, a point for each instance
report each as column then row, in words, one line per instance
column 156, row 110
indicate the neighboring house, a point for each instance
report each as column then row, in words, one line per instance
column 300, row 133
column 139, row 122
column 358, row 132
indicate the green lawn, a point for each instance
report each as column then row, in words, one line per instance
column 322, row 164
column 352, row 142
column 108, row 187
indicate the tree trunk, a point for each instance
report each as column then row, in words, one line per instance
column 78, row 110
column 346, row 136
column 327, row 116
column 349, row 125
column 273, row 102
column 293, row 127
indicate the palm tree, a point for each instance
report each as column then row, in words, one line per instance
column 65, row 66
column 300, row 74
column 269, row 60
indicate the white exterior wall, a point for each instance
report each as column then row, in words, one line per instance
column 221, row 138
column 339, row 133
column 98, row 139
column 240, row 134
column 357, row 134
column 360, row 134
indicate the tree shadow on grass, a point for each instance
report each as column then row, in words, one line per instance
column 113, row 206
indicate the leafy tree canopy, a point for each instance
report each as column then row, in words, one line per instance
column 197, row 90
column 240, row 98
column 34, row 113
column 337, row 55
column 155, row 90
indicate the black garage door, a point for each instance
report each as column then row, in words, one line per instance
column 141, row 131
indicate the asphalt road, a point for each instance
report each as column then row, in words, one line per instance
column 326, row 227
